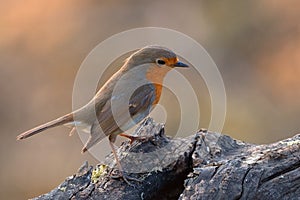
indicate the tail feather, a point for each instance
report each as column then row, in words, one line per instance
column 96, row 135
column 57, row 122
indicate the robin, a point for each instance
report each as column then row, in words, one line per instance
column 123, row 101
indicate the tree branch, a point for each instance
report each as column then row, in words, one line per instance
column 206, row 165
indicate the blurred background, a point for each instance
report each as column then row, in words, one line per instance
column 255, row 44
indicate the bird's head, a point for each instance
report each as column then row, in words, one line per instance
column 153, row 62
column 159, row 56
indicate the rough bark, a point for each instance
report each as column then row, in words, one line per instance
column 205, row 165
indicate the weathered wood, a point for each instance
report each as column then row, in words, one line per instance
column 228, row 169
column 203, row 166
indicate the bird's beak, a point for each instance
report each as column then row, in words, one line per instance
column 180, row 64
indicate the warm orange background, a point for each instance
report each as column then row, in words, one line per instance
column 255, row 44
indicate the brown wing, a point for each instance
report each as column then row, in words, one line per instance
column 141, row 102
column 139, row 106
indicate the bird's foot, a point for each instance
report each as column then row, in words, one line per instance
column 126, row 178
column 135, row 138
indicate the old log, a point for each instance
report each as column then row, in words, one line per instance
column 205, row 165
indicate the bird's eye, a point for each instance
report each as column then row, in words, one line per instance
column 160, row 62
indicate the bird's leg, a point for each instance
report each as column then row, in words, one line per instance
column 126, row 178
column 134, row 138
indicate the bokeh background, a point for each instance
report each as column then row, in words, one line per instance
column 255, row 44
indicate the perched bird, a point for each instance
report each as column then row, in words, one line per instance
column 124, row 100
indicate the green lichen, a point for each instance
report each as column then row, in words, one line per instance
column 98, row 172
column 63, row 189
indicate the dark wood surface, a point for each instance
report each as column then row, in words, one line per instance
column 205, row 165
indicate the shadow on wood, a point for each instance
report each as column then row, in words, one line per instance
column 203, row 166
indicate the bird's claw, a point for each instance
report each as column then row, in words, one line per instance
column 136, row 138
column 126, row 178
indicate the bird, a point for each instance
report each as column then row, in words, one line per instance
column 124, row 100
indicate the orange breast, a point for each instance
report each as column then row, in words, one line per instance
column 158, row 89
column 156, row 75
